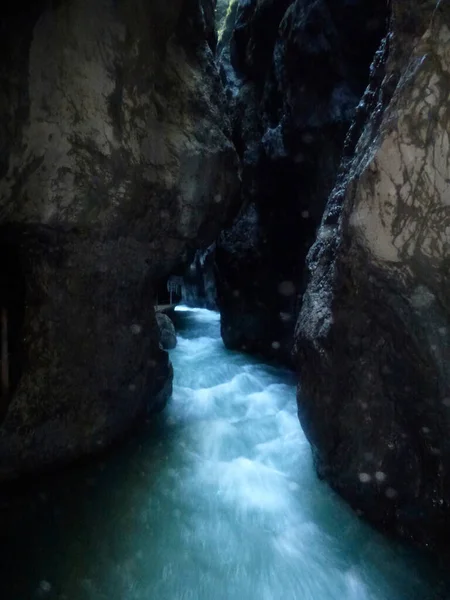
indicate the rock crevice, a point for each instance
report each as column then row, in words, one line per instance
column 295, row 72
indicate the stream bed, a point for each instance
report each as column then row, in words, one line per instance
column 216, row 499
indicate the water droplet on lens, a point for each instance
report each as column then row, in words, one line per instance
column 391, row 493
column 380, row 476
column 286, row 288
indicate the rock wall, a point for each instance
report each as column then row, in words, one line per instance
column 199, row 281
column 115, row 164
column 295, row 72
column 373, row 336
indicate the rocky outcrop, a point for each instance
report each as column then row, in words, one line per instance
column 115, row 164
column 167, row 334
column 373, row 336
column 295, row 71
column 199, row 281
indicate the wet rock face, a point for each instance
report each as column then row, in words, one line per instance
column 373, row 336
column 296, row 71
column 199, row 281
column 115, row 164
column 168, row 337
column 256, row 312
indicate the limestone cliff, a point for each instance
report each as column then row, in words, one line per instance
column 295, row 72
column 115, row 164
column 373, row 337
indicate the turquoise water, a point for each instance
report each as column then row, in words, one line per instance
column 216, row 500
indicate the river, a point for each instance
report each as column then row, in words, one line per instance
column 216, row 499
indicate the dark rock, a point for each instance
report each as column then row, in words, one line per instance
column 373, row 336
column 168, row 337
column 248, row 320
column 295, row 72
column 115, row 165
column 199, row 281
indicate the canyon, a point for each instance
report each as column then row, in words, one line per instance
column 291, row 161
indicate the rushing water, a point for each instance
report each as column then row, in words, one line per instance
column 217, row 500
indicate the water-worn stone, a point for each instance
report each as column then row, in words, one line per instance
column 295, row 72
column 373, row 336
column 168, row 336
column 114, row 146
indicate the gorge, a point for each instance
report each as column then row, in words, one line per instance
column 290, row 160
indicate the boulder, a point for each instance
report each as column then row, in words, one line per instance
column 168, row 337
